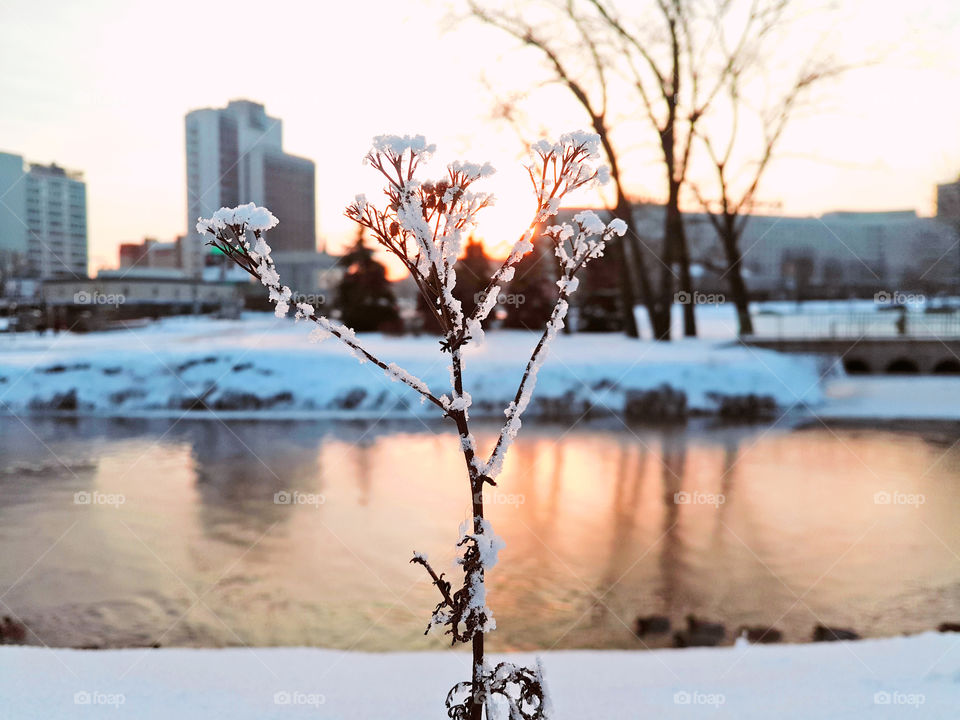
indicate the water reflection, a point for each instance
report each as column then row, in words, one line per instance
column 240, row 470
column 754, row 525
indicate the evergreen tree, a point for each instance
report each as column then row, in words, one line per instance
column 427, row 319
column 364, row 297
column 531, row 295
column 473, row 272
column 600, row 306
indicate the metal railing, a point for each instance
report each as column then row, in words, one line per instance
column 880, row 324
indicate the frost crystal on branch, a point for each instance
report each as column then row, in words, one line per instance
column 230, row 227
column 396, row 146
column 250, row 216
column 423, row 224
column 487, row 542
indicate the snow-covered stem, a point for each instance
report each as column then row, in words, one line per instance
column 581, row 251
column 423, row 224
column 393, row 371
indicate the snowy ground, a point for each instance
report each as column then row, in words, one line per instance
column 892, row 398
column 264, row 365
column 915, row 677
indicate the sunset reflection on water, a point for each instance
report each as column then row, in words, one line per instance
column 741, row 524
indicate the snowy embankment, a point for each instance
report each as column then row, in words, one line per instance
column 912, row 677
column 933, row 398
column 265, row 366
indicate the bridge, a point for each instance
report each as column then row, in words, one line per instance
column 876, row 342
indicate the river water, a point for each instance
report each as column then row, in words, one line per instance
column 205, row 533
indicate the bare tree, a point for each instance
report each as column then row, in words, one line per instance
column 630, row 260
column 423, row 225
column 674, row 61
column 734, row 196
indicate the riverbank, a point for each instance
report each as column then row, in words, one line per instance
column 893, row 400
column 915, row 676
column 261, row 367
column 265, row 367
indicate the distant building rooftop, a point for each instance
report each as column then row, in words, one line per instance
column 56, row 171
column 143, row 273
column 226, row 273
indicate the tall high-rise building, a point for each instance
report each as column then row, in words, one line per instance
column 235, row 155
column 43, row 219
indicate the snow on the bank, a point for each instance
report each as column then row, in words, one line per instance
column 913, row 677
column 930, row 397
column 265, row 365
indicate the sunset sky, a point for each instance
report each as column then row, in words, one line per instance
column 103, row 87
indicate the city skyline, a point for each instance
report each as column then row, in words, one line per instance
column 882, row 140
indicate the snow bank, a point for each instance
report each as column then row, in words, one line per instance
column 262, row 365
column 892, row 398
column 915, row 677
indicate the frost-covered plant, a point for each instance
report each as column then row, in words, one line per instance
column 424, row 224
